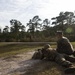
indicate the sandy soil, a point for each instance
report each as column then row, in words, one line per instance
column 16, row 64
column 22, row 64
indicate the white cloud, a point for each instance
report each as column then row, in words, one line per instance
column 24, row 10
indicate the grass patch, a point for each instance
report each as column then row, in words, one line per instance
column 11, row 48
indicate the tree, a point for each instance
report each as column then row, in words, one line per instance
column 35, row 21
column 6, row 29
column 64, row 18
column 34, row 25
column 59, row 19
column 16, row 27
column 70, row 18
column 22, row 33
column 0, row 30
column 31, row 26
column 46, row 24
column 22, row 29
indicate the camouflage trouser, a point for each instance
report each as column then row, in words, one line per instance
column 37, row 55
column 64, row 60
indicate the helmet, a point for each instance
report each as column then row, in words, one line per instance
column 47, row 46
column 60, row 32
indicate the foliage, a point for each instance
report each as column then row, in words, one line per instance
column 39, row 30
column 63, row 19
column 34, row 25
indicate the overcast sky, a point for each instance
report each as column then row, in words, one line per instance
column 23, row 10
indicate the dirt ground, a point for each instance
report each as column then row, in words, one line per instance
column 22, row 64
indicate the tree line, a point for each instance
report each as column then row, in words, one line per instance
column 39, row 30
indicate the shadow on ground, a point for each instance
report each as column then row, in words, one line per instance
column 39, row 67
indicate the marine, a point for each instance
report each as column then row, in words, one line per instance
column 52, row 55
column 64, row 45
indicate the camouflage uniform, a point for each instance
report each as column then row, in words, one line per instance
column 64, row 46
column 53, row 55
column 38, row 54
column 61, row 59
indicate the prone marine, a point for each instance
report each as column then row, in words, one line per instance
column 51, row 54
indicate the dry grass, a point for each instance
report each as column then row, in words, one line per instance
column 11, row 49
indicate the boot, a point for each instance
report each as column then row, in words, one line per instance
column 70, row 70
column 66, row 64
